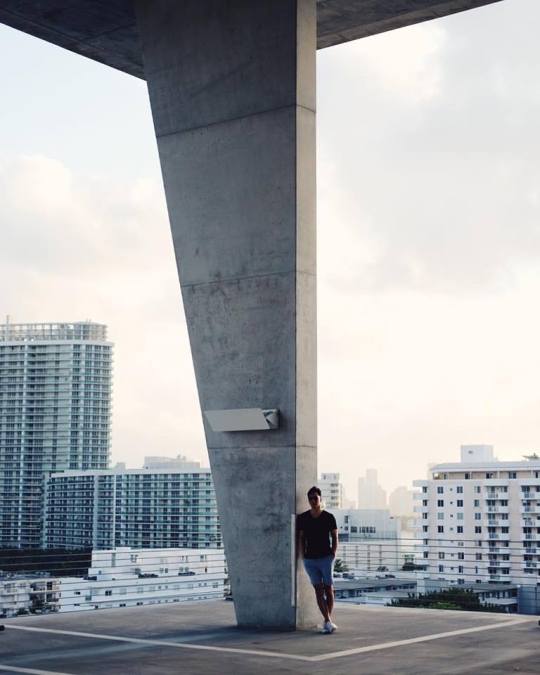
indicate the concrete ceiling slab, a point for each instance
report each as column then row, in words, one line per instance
column 106, row 30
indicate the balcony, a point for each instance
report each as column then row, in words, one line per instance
column 202, row 638
column 495, row 522
column 496, row 495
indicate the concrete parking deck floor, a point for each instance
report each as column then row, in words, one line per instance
column 201, row 638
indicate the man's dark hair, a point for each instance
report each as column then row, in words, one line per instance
column 314, row 490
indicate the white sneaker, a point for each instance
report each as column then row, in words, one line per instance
column 328, row 627
column 334, row 625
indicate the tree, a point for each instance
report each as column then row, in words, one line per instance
column 451, row 598
column 340, row 566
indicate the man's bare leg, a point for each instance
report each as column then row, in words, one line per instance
column 329, row 592
column 321, row 601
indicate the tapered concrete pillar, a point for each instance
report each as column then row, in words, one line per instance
column 232, row 88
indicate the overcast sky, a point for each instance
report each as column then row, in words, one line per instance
column 429, row 240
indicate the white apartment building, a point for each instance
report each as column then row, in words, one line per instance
column 139, row 508
column 27, row 592
column 129, row 578
column 14, row 595
column 55, row 410
column 332, row 490
column 479, row 519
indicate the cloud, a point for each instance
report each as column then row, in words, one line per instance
column 429, row 156
column 75, row 246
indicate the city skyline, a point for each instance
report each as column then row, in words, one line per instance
column 426, row 339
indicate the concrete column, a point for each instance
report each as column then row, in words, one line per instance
column 232, row 88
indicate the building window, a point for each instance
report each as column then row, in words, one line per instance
column 476, row 503
column 441, row 568
column 440, row 502
column 440, row 490
column 478, row 516
column 461, row 555
column 512, row 474
column 440, row 515
column 459, row 489
column 478, row 529
column 441, row 555
column 459, row 529
column 459, row 502
column 440, row 528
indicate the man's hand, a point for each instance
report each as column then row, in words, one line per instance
column 334, row 535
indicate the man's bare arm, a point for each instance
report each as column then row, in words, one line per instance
column 334, row 535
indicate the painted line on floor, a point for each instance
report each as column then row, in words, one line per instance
column 31, row 671
column 412, row 641
column 270, row 654
column 163, row 643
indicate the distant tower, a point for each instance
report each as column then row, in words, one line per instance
column 370, row 494
column 55, row 409
column 400, row 502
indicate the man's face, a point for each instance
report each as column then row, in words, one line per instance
column 314, row 499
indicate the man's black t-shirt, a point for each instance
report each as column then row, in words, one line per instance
column 316, row 533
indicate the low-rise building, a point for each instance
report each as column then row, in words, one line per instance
column 133, row 577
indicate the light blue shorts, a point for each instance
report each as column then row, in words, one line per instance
column 319, row 570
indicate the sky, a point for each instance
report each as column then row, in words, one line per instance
column 428, row 240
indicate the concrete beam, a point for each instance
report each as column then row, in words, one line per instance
column 232, row 88
column 106, row 30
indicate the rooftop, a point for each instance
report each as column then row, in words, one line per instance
column 202, row 638
column 517, row 465
column 53, row 332
column 130, row 472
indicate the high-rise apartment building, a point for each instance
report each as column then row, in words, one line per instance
column 55, row 408
column 140, row 508
column 479, row 519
